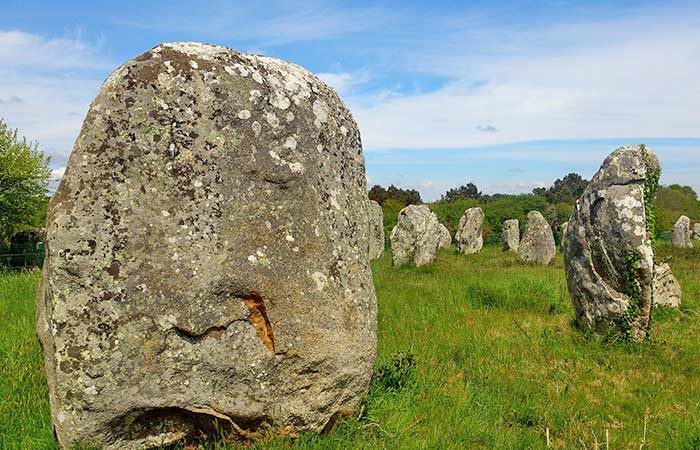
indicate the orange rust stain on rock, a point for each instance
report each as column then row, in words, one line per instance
column 258, row 318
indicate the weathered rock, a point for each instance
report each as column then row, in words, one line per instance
column 445, row 237
column 469, row 237
column 510, row 236
column 537, row 245
column 207, row 255
column 563, row 228
column 696, row 230
column 681, row 236
column 416, row 236
column 607, row 247
column 667, row 290
column 376, row 230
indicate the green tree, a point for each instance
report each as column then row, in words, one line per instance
column 564, row 190
column 24, row 176
column 470, row 191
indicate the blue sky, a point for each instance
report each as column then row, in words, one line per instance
column 510, row 95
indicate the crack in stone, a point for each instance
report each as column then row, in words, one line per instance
column 258, row 318
column 214, row 331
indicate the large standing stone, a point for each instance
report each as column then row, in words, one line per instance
column 681, row 236
column 607, row 247
column 376, row 230
column 470, row 231
column 510, row 236
column 537, row 245
column 667, row 290
column 416, row 236
column 445, row 237
column 207, row 255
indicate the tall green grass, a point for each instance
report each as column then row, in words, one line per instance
column 24, row 401
column 496, row 362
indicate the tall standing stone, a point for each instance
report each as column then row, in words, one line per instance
column 376, row 230
column 681, row 235
column 469, row 237
column 563, row 229
column 537, row 245
column 416, row 236
column 510, row 236
column 696, row 230
column 445, row 237
column 667, row 290
column 608, row 250
column 207, row 255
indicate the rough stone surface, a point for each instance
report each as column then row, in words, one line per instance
column 469, row 237
column 376, row 230
column 537, row 245
column 510, row 236
column 608, row 254
column 696, row 230
column 207, row 255
column 445, row 237
column 563, row 228
column 667, row 290
column 416, row 236
column 681, row 235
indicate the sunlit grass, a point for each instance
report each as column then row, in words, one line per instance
column 498, row 363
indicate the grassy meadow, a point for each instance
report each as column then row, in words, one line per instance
column 474, row 352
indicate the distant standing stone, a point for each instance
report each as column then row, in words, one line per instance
column 667, row 290
column 207, row 256
column 681, row 236
column 563, row 228
column 416, row 236
column 537, row 245
column 510, row 236
column 445, row 237
column 470, row 232
column 608, row 252
column 696, row 230
column 376, row 230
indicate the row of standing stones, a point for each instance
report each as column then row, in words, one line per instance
column 418, row 235
column 207, row 256
column 611, row 273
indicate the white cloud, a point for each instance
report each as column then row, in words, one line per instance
column 20, row 49
column 631, row 78
column 343, row 82
column 46, row 87
column 281, row 22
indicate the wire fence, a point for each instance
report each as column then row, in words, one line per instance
column 22, row 256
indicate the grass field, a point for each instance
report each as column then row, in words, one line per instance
column 498, row 362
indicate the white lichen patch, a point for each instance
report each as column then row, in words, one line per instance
column 290, row 143
column 244, row 114
column 256, row 128
column 320, row 280
column 272, row 119
column 280, row 101
column 320, row 110
column 254, row 96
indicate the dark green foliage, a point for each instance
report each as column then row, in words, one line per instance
column 564, row 190
column 404, row 196
column 470, row 191
column 651, row 188
column 396, row 374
